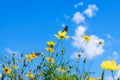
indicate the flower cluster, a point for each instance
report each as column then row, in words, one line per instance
column 50, row 64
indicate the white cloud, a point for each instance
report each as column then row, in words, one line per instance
column 89, row 47
column 66, row 16
column 79, row 4
column 108, row 36
column 63, row 25
column 91, row 10
column 11, row 51
column 117, row 75
column 78, row 39
column 78, row 18
column 115, row 55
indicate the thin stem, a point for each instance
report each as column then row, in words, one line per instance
column 82, row 71
column 56, row 47
column 112, row 74
column 81, row 46
column 92, row 59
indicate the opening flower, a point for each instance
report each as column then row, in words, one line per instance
column 50, row 50
column 99, row 78
column 31, row 56
column 87, row 38
column 62, row 69
column 110, row 65
column 51, row 44
column 62, row 35
column 7, row 70
column 30, row 75
column 91, row 78
column 50, row 59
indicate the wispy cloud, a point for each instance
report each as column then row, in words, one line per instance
column 63, row 24
column 91, row 10
column 79, row 4
column 114, row 55
column 108, row 36
column 89, row 51
column 66, row 17
column 78, row 18
column 8, row 50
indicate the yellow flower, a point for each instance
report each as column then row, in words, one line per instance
column 51, row 44
column 0, row 75
column 91, row 78
column 30, row 75
column 31, row 56
column 41, row 74
column 87, row 38
column 62, row 35
column 99, row 78
column 62, row 69
column 110, row 65
column 14, row 67
column 50, row 59
column 50, row 50
column 7, row 70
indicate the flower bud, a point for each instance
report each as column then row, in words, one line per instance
column 84, row 60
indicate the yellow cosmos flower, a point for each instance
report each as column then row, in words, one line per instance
column 87, row 38
column 50, row 59
column 62, row 69
column 41, row 74
column 50, row 50
column 30, row 75
column 91, row 78
column 62, row 35
column 31, row 56
column 7, row 70
column 99, row 78
column 51, row 44
column 110, row 65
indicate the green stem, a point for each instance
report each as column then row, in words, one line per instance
column 92, row 59
column 56, row 47
column 82, row 71
column 112, row 74
column 81, row 46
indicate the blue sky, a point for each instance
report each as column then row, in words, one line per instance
column 25, row 25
